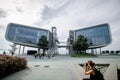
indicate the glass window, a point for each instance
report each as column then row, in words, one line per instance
column 97, row 35
column 24, row 34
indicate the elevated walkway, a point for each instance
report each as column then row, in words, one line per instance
column 62, row 46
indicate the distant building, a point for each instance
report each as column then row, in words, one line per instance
column 98, row 36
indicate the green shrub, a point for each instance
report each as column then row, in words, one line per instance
column 117, row 51
column 112, row 51
column 103, row 51
column 107, row 51
column 83, row 55
column 11, row 64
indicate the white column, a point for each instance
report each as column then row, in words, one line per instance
column 23, row 49
column 19, row 50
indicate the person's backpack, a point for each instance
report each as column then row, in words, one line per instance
column 99, row 75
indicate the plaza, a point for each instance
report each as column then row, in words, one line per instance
column 61, row 67
column 57, row 66
column 61, row 22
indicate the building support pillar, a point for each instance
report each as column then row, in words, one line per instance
column 100, row 51
column 23, row 49
column 92, row 51
column 19, row 50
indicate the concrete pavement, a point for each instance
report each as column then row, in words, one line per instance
column 56, row 68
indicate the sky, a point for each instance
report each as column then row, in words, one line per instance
column 65, row 15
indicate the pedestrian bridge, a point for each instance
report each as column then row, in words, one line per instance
column 62, row 46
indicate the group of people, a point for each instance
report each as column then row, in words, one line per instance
column 4, row 53
column 89, row 69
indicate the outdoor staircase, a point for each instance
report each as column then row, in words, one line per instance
column 51, row 52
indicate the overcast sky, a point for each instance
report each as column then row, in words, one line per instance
column 64, row 14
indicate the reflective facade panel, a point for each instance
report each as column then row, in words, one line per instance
column 25, row 35
column 98, row 36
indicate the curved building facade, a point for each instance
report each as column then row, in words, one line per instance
column 25, row 35
column 98, row 36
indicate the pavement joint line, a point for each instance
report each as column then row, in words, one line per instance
column 36, row 65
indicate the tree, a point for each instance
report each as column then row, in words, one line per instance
column 43, row 44
column 112, row 51
column 76, row 46
column 103, row 51
column 117, row 52
column 80, row 44
column 107, row 51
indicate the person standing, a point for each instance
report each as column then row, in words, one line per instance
column 4, row 53
column 12, row 53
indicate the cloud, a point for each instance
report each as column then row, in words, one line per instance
column 76, row 14
column 3, row 13
column 64, row 14
column 50, row 12
column 19, row 9
column 88, row 13
column 2, row 26
column 80, row 14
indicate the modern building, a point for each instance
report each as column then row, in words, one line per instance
column 98, row 36
column 27, row 35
